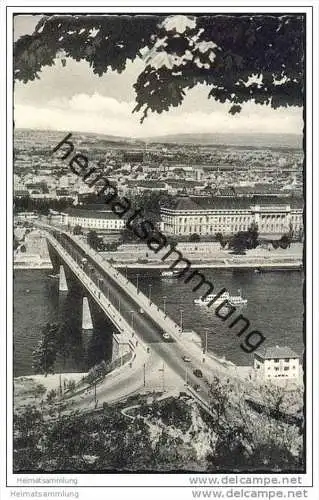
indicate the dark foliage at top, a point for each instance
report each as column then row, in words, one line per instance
column 241, row 58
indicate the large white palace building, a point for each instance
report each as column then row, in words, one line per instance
column 228, row 216
column 96, row 218
column 204, row 216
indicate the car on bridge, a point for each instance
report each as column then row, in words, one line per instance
column 198, row 373
column 186, row 359
column 84, row 263
column 166, row 336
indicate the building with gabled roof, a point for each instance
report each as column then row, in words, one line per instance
column 276, row 362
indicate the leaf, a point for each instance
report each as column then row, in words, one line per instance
column 221, row 51
column 235, row 109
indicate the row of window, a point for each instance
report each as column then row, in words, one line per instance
column 101, row 223
column 206, row 230
column 212, row 218
column 272, row 227
column 287, row 360
column 222, row 227
column 264, row 222
column 276, row 361
column 286, row 368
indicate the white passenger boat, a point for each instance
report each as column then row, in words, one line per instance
column 234, row 300
column 209, row 298
column 237, row 300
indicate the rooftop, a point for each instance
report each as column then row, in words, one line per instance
column 92, row 214
column 276, row 352
column 259, row 188
column 147, row 183
column 196, row 203
column 21, row 192
column 183, row 203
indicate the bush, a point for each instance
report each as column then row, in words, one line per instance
column 221, row 239
column 239, row 243
column 77, row 230
column 194, row 238
column 51, row 395
column 275, row 244
column 285, row 241
column 71, row 385
column 111, row 247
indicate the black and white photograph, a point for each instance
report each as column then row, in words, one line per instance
column 160, row 228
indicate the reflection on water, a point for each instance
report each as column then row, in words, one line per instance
column 275, row 307
column 78, row 350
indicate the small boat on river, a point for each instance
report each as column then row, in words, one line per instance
column 237, row 300
column 234, row 300
column 171, row 273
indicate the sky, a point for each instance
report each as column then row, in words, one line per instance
column 72, row 98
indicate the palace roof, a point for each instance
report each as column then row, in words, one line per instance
column 195, row 203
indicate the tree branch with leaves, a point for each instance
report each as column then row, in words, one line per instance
column 240, row 58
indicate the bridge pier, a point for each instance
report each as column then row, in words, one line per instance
column 63, row 286
column 120, row 345
column 87, row 323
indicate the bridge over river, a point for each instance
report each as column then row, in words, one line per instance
column 134, row 315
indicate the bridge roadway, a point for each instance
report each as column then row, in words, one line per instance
column 147, row 324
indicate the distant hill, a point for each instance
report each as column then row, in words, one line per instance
column 24, row 132
column 253, row 141
column 250, row 140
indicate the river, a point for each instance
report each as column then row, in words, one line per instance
column 275, row 307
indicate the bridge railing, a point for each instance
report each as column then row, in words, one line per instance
column 155, row 312
column 111, row 311
column 195, row 395
column 167, row 323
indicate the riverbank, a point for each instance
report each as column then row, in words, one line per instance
column 204, row 264
column 32, row 252
column 208, row 255
column 28, row 389
column 201, row 263
column 31, row 264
